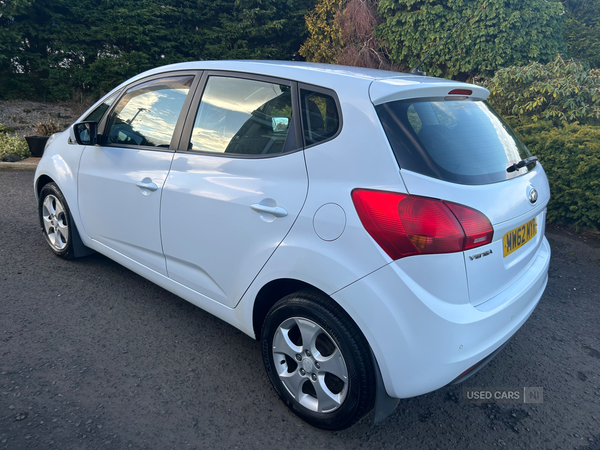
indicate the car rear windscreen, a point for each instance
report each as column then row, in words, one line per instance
column 463, row 142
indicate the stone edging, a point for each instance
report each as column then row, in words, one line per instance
column 17, row 166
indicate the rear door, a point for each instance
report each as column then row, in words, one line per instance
column 237, row 189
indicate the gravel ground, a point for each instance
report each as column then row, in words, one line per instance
column 93, row 356
column 23, row 115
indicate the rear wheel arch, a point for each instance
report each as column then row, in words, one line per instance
column 270, row 294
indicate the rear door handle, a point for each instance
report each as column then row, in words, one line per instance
column 147, row 185
column 277, row 211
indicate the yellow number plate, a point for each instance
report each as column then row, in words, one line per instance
column 517, row 238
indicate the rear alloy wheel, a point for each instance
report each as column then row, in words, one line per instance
column 55, row 219
column 318, row 361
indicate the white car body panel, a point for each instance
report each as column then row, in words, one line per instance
column 61, row 163
column 108, row 194
column 213, row 241
column 506, row 205
column 415, row 359
column 386, row 90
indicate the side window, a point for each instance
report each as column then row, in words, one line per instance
column 147, row 114
column 97, row 114
column 243, row 117
column 320, row 117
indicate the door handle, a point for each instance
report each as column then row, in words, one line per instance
column 147, row 185
column 277, row 211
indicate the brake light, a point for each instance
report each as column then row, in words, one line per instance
column 405, row 225
column 460, row 92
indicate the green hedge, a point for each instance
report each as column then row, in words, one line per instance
column 570, row 155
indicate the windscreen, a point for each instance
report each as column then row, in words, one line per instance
column 463, row 142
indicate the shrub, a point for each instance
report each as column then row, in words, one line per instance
column 13, row 144
column 47, row 128
column 570, row 155
column 560, row 91
column 5, row 129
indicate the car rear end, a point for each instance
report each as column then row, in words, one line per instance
column 465, row 236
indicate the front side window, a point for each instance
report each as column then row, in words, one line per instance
column 320, row 118
column 147, row 113
column 243, row 117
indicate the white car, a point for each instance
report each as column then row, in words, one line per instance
column 381, row 234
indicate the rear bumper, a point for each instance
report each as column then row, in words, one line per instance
column 477, row 367
column 423, row 342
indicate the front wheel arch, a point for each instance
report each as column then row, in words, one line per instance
column 42, row 181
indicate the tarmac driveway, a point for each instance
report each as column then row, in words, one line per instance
column 93, row 356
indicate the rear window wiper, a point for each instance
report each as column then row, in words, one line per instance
column 522, row 163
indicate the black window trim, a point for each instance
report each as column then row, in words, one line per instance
column 325, row 91
column 186, row 132
column 116, row 95
column 102, row 126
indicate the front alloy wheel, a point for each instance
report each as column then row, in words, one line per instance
column 55, row 222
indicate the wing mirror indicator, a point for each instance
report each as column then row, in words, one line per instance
column 86, row 133
column 280, row 124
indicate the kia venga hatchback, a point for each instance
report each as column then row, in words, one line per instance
column 381, row 234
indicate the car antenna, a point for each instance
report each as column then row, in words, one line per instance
column 416, row 70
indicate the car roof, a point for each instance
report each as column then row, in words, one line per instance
column 383, row 85
column 296, row 70
column 380, row 85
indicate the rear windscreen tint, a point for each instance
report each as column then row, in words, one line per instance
column 459, row 141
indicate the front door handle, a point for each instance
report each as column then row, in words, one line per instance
column 277, row 211
column 145, row 184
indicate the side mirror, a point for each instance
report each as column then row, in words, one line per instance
column 280, row 124
column 86, row 133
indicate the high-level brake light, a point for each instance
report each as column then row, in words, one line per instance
column 460, row 92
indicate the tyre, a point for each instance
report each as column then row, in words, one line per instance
column 318, row 361
column 56, row 221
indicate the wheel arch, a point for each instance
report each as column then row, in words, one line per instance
column 271, row 293
column 40, row 182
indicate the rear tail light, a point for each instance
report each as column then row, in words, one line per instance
column 405, row 225
column 477, row 227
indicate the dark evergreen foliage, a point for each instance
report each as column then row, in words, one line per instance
column 582, row 30
column 51, row 48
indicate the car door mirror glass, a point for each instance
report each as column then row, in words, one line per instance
column 280, row 124
column 86, row 133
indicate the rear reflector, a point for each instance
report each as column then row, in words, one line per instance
column 460, row 92
column 405, row 225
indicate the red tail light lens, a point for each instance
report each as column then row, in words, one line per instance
column 405, row 225
column 478, row 229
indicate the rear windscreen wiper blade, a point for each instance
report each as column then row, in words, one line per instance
column 522, row 163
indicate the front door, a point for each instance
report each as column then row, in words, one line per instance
column 121, row 181
column 231, row 198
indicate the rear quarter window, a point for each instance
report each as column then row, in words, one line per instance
column 320, row 116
